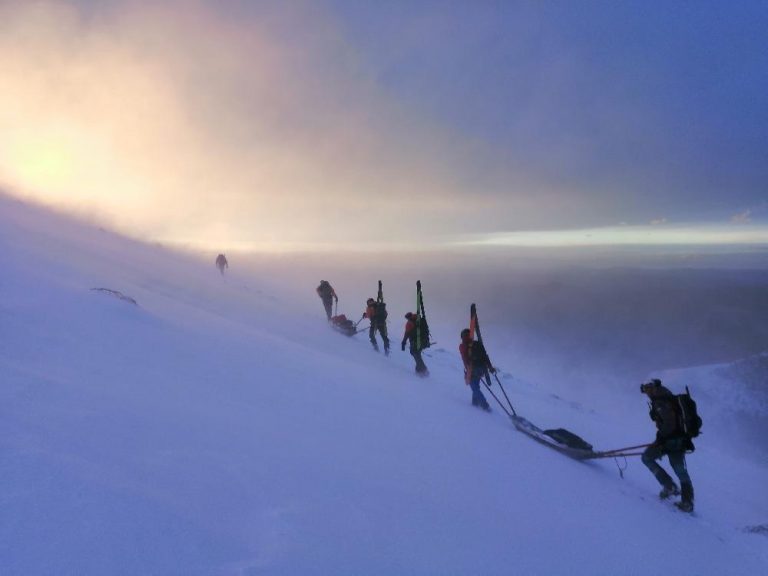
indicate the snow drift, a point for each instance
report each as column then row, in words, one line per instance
column 218, row 426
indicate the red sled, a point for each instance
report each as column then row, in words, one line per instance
column 344, row 325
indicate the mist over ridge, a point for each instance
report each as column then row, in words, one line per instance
column 568, row 314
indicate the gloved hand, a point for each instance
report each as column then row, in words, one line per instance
column 402, row 346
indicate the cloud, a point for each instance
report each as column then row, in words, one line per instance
column 273, row 124
column 187, row 122
column 658, row 221
column 744, row 217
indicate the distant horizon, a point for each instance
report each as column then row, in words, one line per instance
column 724, row 245
column 670, row 236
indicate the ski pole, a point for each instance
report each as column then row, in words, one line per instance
column 496, row 376
column 627, row 449
column 496, row 398
column 597, row 455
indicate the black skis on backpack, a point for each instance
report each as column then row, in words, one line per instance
column 690, row 421
column 478, row 352
column 381, row 306
column 422, row 328
column 474, row 328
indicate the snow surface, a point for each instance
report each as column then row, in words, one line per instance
column 220, row 427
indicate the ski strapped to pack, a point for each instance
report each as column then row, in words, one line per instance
column 690, row 421
column 474, row 328
column 380, row 307
column 422, row 328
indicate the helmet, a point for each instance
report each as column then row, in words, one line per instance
column 409, row 315
column 465, row 333
column 370, row 301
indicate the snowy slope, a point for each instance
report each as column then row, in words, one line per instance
column 220, row 427
column 739, row 391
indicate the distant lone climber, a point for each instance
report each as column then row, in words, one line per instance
column 221, row 263
column 327, row 295
column 476, row 367
column 671, row 441
column 410, row 337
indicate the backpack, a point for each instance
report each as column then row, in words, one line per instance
column 325, row 289
column 380, row 309
column 423, row 333
column 477, row 353
column 690, row 421
column 568, row 438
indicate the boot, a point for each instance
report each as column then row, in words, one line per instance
column 668, row 490
column 686, row 502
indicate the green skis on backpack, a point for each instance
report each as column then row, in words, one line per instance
column 422, row 328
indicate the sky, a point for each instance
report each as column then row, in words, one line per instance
column 340, row 124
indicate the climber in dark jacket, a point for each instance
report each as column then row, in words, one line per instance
column 221, row 263
column 376, row 312
column 327, row 295
column 671, row 441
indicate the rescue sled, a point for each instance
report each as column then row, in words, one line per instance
column 559, row 439
column 342, row 324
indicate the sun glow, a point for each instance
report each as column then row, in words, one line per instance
column 44, row 159
column 42, row 163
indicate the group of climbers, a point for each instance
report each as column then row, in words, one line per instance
column 672, row 439
column 477, row 365
column 376, row 313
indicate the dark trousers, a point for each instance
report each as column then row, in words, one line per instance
column 674, row 449
column 420, row 366
column 382, row 328
column 328, row 303
column 474, row 383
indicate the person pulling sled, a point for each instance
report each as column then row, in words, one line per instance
column 327, row 295
column 673, row 439
column 477, row 366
